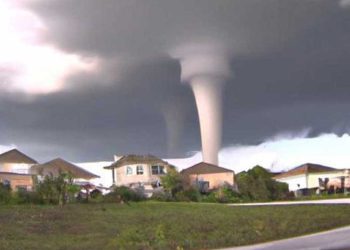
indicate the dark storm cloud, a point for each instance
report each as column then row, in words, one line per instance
column 290, row 60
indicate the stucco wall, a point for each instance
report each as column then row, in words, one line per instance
column 20, row 168
column 293, row 182
column 18, row 180
column 313, row 177
column 215, row 180
column 121, row 177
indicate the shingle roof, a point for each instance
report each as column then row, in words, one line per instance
column 65, row 166
column 205, row 168
column 303, row 169
column 137, row 159
column 15, row 156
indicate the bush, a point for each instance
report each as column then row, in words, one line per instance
column 5, row 193
column 223, row 195
column 190, row 194
column 160, row 195
column 124, row 194
column 257, row 185
column 28, row 197
column 172, row 182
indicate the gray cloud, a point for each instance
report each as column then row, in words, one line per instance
column 290, row 60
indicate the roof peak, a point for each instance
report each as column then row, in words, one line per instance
column 16, row 156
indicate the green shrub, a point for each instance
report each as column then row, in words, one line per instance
column 190, row 194
column 124, row 194
column 28, row 197
column 223, row 195
column 172, row 182
column 257, row 184
column 5, row 193
column 160, row 195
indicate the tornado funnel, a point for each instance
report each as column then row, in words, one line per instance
column 206, row 74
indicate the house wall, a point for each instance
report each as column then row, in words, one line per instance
column 313, row 177
column 20, row 168
column 215, row 179
column 18, row 180
column 121, row 177
column 294, row 181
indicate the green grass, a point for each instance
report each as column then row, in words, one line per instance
column 152, row 225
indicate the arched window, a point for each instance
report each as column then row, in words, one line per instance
column 128, row 170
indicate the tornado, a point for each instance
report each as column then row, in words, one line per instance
column 206, row 73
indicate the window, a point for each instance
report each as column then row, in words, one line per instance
column 21, row 188
column 6, row 183
column 139, row 170
column 156, row 170
column 128, row 170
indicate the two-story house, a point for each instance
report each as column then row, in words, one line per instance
column 138, row 171
column 15, row 170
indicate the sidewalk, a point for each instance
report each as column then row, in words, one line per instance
column 279, row 203
column 329, row 240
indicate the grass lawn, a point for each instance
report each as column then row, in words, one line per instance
column 152, row 225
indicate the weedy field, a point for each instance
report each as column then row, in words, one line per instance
column 159, row 225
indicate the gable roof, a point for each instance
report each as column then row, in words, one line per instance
column 16, row 156
column 205, row 168
column 304, row 169
column 137, row 159
column 65, row 166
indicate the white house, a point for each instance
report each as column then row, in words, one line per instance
column 309, row 175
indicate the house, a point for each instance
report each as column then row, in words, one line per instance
column 58, row 165
column 208, row 176
column 138, row 171
column 15, row 170
column 16, row 162
column 310, row 176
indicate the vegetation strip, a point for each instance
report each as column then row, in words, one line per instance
column 159, row 225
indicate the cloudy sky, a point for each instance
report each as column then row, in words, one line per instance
column 86, row 79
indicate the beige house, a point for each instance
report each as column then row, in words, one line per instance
column 138, row 170
column 15, row 170
column 208, row 176
column 312, row 176
column 58, row 165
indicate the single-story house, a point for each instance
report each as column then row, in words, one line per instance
column 208, row 176
column 138, row 171
column 58, row 165
column 310, row 176
column 15, row 170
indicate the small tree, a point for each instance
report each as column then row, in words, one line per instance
column 56, row 190
column 172, row 182
column 5, row 193
column 257, row 184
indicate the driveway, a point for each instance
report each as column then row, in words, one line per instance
column 330, row 240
